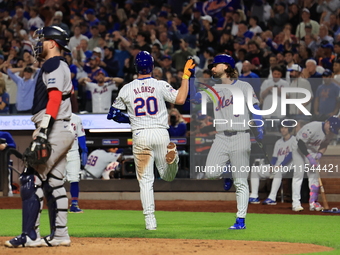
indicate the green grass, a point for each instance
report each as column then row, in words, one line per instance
column 321, row 230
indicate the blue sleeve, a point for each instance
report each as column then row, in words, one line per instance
column 273, row 161
column 13, row 76
column 287, row 159
column 256, row 117
column 82, row 143
column 195, row 97
column 118, row 116
column 179, row 131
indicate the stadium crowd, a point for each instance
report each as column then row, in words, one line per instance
column 274, row 43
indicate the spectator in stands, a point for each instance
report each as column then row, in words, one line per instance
column 25, row 85
column 208, row 54
column 58, row 21
column 327, row 57
column 323, row 35
column 158, row 73
column 180, row 56
column 35, row 20
column 156, row 54
column 91, row 18
column 73, row 69
column 206, row 38
column 177, row 125
column 327, row 101
column 252, row 78
column 289, row 60
column 296, row 81
column 109, row 64
column 167, row 67
column 17, row 18
column 310, row 42
column 267, row 72
column 4, row 98
column 76, row 38
column 278, row 20
column 300, row 30
column 7, row 142
column 327, row 8
column 254, row 27
column 312, row 75
column 11, row 89
column 256, row 57
column 266, row 94
column 143, row 40
column 101, row 88
column 93, row 41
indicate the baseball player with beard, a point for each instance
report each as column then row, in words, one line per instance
column 101, row 91
column 311, row 143
column 232, row 141
column 144, row 99
column 282, row 157
column 73, row 161
column 46, row 157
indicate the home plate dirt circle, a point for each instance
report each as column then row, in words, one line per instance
column 146, row 246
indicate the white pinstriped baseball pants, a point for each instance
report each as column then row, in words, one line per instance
column 149, row 147
column 235, row 148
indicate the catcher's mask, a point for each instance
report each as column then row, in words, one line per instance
column 54, row 33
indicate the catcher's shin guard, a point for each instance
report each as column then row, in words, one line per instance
column 57, row 204
column 31, row 202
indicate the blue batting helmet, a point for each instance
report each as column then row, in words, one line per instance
column 54, row 33
column 222, row 59
column 334, row 124
column 144, row 62
column 286, row 123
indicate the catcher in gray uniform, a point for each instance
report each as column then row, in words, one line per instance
column 45, row 158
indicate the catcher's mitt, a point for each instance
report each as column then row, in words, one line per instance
column 38, row 152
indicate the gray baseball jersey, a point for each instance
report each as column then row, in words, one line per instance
column 224, row 109
column 142, row 97
column 98, row 160
column 282, row 148
column 101, row 95
column 57, row 79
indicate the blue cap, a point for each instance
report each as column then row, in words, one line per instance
column 327, row 45
column 163, row 14
column 89, row 11
column 327, row 73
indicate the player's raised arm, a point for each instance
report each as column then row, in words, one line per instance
column 184, row 89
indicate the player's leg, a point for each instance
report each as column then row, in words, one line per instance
column 255, row 183
column 276, row 183
column 166, row 171
column 314, row 187
column 217, row 158
column 72, row 176
column 61, row 139
column 144, row 160
column 299, row 162
column 32, row 203
column 239, row 146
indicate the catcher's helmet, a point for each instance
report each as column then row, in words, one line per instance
column 144, row 62
column 54, row 33
column 334, row 124
column 222, row 59
column 286, row 123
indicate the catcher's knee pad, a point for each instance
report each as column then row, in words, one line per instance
column 57, row 201
column 31, row 202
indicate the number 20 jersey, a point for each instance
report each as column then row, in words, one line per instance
column 144, row 100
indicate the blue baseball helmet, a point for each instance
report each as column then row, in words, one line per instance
column 144, row 62
column 222, row 59
column 54, row 33
column 334, row 124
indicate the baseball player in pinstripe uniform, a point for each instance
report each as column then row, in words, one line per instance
column 282, row 156
column 311, row 143
column 144, row 99
column 46, row 156
column 73, row 161
column 232, row 141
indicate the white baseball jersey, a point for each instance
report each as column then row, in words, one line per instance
column 98, row 160
column 224, row 109
column 101, row 95
column 77, row 127
column 142, row 97
column 282, row 148
column 268, row 100
column 312, row 135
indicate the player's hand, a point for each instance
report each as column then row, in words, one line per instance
column 189, row 69
column 112, row 113
column 312, row 160
column 83, row 158
column 318, row 156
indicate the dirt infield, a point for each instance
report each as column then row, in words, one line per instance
column 145, row 246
